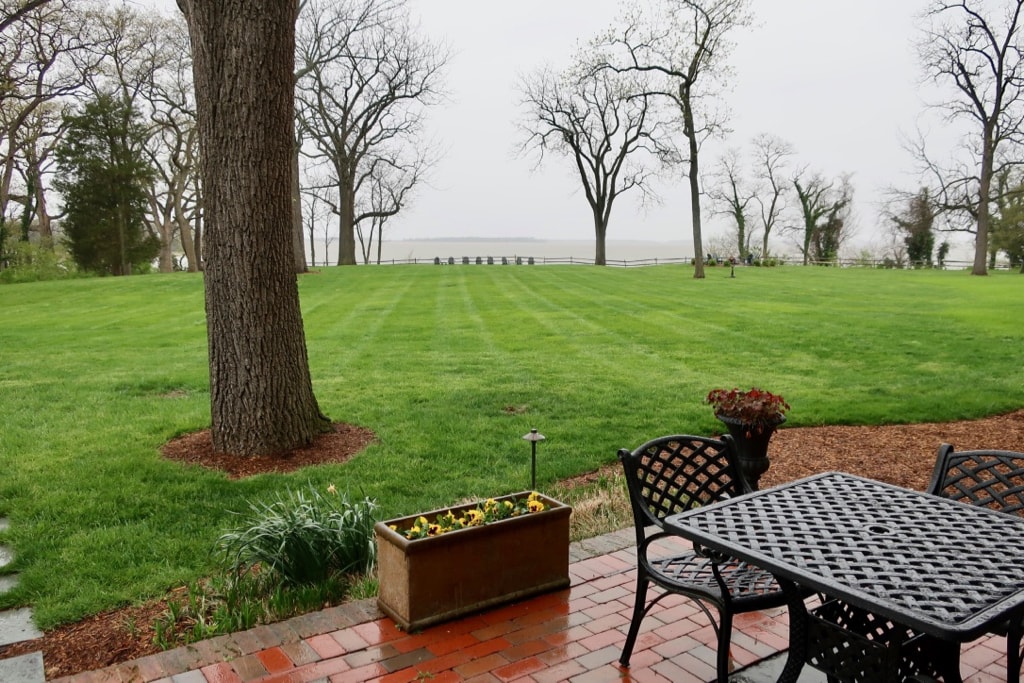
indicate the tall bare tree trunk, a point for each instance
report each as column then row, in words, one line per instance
column 261, row 393
column 693, row 176
column 166, row 227
column 45, row 225
column 346, row 225
column 600, row 233
column 984, row 198
column 197, row 240
column 188, row 244
column 298, row 233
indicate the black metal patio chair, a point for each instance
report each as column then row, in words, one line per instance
column 992, row 479
column 672, row 474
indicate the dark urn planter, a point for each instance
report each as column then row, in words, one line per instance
column 751, row 446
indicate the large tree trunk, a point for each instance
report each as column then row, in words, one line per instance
column 694, row 170
column 261, row 393
column 600, row 253
column 45, row 225
column 984, row 194
column 166, row 242
column 600, row 233
column 347, row 225
column 164, row 223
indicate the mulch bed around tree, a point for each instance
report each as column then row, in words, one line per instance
column 335, row 446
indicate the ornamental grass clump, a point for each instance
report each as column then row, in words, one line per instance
column 485, row 512
column 755, row 408
column 304, row 537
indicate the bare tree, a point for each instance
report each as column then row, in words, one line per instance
column 387, row 189
column 11, row 11
column 39, row 136
column 824, row 215
column 175, row 199
column 316, row 212
column 896, row 256
column 366, row 78
column 261, row 393
column 124, row 46
column 319, row 193
column 812, row 193
column 771, row 155
column 685, row 43
column 976, row 48
column 595, row 120
column 38, row 71
column 732, row 195
column 837, row 226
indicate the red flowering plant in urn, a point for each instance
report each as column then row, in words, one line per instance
column 756, row 409
column 751, row 417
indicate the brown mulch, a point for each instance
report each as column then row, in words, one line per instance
column 900, row 454
column 336, row 446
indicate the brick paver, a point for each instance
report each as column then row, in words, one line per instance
column 572, row 635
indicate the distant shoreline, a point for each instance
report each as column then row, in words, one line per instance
column 542, row 250
column 473, row 239
column 528, row 239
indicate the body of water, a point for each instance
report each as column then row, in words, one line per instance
column 511, row 249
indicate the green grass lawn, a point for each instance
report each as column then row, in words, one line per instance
column 450, row 366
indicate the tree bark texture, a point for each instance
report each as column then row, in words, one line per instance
column 346, row 223
column 166, row 228
column 261, row 393
column 600, row 233
column 981, row 237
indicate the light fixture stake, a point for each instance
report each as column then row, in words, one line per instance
column 533, row 437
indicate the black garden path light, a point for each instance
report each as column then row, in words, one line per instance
column 533, row 437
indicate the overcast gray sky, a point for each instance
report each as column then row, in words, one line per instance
column 839, row 80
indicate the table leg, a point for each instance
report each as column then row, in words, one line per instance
column 1013, row 649
column 797, row 632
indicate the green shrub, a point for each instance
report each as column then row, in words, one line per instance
column 228, row 604
column 27, row 262
column 304, row 537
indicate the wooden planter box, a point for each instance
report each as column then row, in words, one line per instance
column 429, row 580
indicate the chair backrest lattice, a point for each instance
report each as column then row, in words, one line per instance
column 672, row 474
column 992, row 479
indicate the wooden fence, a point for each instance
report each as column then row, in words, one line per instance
column 621, row 263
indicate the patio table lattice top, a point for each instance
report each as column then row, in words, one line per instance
column 938, row 563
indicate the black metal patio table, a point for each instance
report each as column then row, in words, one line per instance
column 933, row 571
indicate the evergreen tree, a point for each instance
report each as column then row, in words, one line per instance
column 103, row 179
